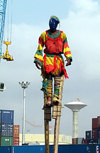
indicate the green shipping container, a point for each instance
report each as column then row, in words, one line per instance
column 6, row 141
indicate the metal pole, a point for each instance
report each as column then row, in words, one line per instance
column 24, row 85
column 23, row 115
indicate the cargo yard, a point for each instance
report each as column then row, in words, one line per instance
column 10, row 138
column 10, row 134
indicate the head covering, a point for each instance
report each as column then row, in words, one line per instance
column 56, row 18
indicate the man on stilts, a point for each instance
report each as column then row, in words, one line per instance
column 52, row 68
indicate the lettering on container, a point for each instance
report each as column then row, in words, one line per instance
column 97, row 149
column 6, row 139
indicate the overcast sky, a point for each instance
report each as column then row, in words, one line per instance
column 80, row 20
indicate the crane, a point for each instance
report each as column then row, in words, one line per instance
column 6, row 55
column 3, row 4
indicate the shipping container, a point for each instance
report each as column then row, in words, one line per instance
column 94, row 134
column 98, row 132
column 84, row 141
column 7, row 116
column 16, row 141
column 98, row 126
column 6, row 129
column 6, row 141
column 16, row 131
column 73, row 140
column 94, row 123
column 89, row 148
column 88, row 134
column 99, row 140
column 92, row 141
column 77, row 140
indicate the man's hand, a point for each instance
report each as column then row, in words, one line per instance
column 68, row 62
column 38, row 65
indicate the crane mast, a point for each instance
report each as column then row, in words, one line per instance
column 3, row 4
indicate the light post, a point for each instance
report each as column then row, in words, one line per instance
column 24, row 85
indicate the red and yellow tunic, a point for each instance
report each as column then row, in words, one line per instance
column 52, row 60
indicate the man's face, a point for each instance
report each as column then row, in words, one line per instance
column 53, row 24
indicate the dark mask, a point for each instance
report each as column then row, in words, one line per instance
column 53, row 24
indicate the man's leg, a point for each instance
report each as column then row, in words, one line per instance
column 58, row 88
column 47, row 89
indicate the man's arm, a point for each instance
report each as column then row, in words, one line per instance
column 66, row 50
column 38, row 58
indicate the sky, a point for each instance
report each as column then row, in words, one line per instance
column 80, row 20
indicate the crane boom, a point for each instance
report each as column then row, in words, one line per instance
column 3, row 4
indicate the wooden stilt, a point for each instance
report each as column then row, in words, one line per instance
column 56, row 115
column 56, row 134
column 47, row 118
column 46, row 136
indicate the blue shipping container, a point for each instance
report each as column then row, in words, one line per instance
column 7, row 116
column 5, row 149
column 6, row 130
column 61, row 149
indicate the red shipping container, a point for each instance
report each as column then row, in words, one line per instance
column 74, row 141
column 16, row 131
column 84, row 141
column 98, row 121
column 94, row 123
column 94, row 134
column 15, row 141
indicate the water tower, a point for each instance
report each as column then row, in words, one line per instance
column 75, row 106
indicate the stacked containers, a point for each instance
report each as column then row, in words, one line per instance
column 93, row 136
column 96, row 128
column 16, row 135
column 6, row 127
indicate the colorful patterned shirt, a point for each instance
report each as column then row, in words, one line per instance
column 52, row 62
